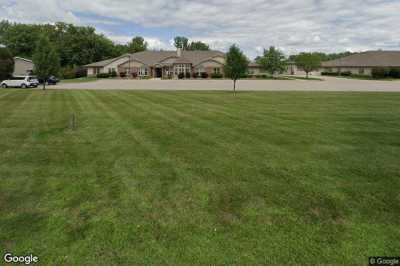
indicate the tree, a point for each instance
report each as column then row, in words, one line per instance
column 198, row 46
column 273, row 61
column 46, row 60
column 308, row 62
column 236, row 65
column 6, row 63
column 138, row 44
column 181, row 42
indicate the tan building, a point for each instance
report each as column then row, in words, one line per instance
column 22, row 66
column 363, row 63
column 162, row 64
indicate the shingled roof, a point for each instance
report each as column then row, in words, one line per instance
column 152, row 58
column 367, row 59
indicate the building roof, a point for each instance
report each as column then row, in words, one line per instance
column 24, row 59
column 101, row 63
column 152, row 58
column 367, row 59
column 254, row 64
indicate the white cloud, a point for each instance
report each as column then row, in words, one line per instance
column 324, row 25
column 153, row 43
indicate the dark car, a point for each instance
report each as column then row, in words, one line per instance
column 52, row 80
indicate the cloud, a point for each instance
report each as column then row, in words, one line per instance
column 153, row 43
column 292, row 25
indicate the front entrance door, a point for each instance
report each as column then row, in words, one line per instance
column 158, row 72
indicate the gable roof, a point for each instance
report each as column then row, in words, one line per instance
column 152, row 58
column 254, row 64
column 23, row 59
column 106, row 62
column 367, row 59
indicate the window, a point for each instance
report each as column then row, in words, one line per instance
column 182, row 68
column 143, row 71
column 361, row 71
column 217, row 70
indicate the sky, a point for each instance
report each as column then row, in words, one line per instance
column 291, row 25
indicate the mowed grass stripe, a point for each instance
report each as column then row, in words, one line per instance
column 205, row 178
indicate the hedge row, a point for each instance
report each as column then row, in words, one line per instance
column 380, row 72
column 376, row 72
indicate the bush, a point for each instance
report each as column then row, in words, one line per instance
column 103, row 75
column 204, row 75
column 68, row 73
column 195, row 75
column 379, row 72
column 6, row 64
column 394, row 72
column 216, row 76
column 345, row 73
column 181, row 75
column 122, row 74
column 80, row 72
column 113, row 74
column 330, row 74
column 134, row 75
column 188, row 75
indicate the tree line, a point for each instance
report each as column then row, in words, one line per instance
column 75, row 45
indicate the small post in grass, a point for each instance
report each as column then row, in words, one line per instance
column 72, row 122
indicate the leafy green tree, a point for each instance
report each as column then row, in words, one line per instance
column 308, row 62
column 138, row 44
column 46, row 60
column 273, row 61
column 6, row 63
column 198, row 46
column 181, row 42
column 236, row 65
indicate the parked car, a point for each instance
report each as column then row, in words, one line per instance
column 20, row 81
column 52, row 80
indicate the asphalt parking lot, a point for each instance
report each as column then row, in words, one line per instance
column 329, row 84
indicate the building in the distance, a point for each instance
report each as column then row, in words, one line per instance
column 162, row 64
column 22, row 66
column 363, row 63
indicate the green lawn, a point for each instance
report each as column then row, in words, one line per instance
column 199, row 178
column 79, row 80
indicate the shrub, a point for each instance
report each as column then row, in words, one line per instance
column 113, row 74
column 103, row 75
column 394, row 72
column 68, row 73
column 379, row 72
column 345, row 73
column 195, row 75
column 80, row 72
column 6, row 64
column 134, row 75
column 330, row 73
column 204, row 75
column 122, row 74
column 188, row 75
column 216, row 76
column 181, row 75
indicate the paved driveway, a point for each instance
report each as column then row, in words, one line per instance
column 329, row 84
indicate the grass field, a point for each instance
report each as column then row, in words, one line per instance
column 79, row 80
column 190, row 178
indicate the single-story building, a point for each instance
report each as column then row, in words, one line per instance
column 291, row 69
column 162, row 64
column 22, row 66
column 362, row 63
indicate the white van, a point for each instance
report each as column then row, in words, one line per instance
column 20, row 81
